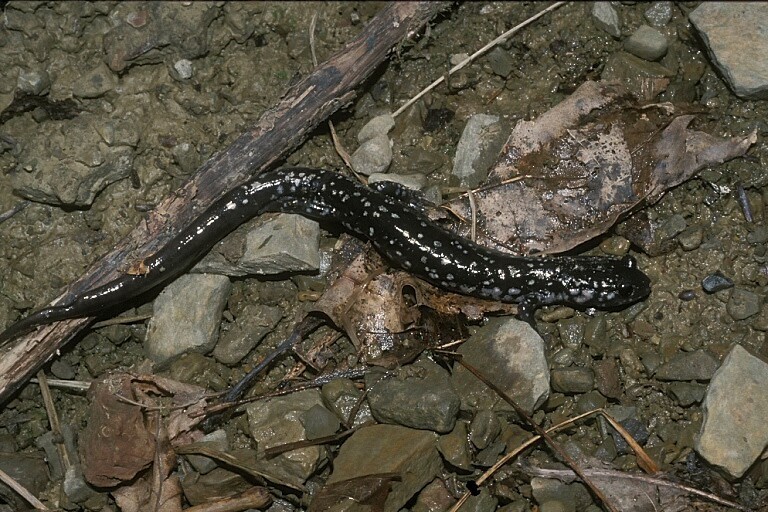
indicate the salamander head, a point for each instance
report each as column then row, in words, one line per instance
column 607, row 284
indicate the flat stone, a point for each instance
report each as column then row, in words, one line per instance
column 696, row 365
column 286, row 243
column 379, row 125
column 373, row 156
column 379, row 449
column 606, row 17
column 479, row 146
column 572, row 380
column 186, row 316
column 216, row 440
column 737, row 42
column 420, row 396
column 512, row 354
column 249, row 328
column 743, row 304
column 647, row 43
column 735, row 431
column 280, row 420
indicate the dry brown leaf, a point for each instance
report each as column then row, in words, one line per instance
column 569, row 175
column 115, row 445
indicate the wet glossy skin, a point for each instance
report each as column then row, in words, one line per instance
column 404, row 235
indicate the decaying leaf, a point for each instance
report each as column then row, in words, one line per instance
column 121, row 438
column 569, row 175
column 384, row 314
column 115, row 445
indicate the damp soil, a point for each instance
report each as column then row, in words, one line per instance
column 166, row 126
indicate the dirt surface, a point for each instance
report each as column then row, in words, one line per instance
column 145, row 128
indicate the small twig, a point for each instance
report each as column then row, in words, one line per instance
column 122, row 320
column 21, row 491
column 503, row 37
column 543, row 434
column 53, row 420
column 13, row 211
column 563, row 474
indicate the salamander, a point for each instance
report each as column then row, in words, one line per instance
column 402, row 233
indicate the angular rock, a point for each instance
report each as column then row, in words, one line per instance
column 373, row 156
column 696, row 365
column 420, row 396
column 646, row 43
column 606, row 17
column 478, row 148
column 379, row 449
column 742, row 61
column 280, row 420
column 510, row 352
column 187, row 314
column 735, row 430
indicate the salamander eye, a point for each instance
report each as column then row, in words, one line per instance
column 626, row 290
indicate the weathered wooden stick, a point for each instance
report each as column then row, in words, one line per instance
column 279, row 131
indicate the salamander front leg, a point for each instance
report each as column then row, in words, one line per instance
column 527, row 307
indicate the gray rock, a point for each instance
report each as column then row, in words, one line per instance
column 743, row 304
column 420, row 396
column 280, row 420
column 556, row 495
column 342, row 397
column 379, row 125
column 75, row 487
column 250, row 327
column 29, row 470
column 687, row 393
column 716, row 282
column 647, row 43
column 182, row 69
column 742, row 61
column 379, row 449
column 658, row 14
column 264, row 246
column 696, row 365
column 320, row 422
column 287, row 243
column 95, row 83
column 510, row 352
column 216, row 440
column 484, row 428
column 606, row 17
column 633, row 71
column 483, row 502
column 33, row 81
column 479, row 146
column 735, row 430
column 455, row 448
column 186, row 316
column 572, row 380
column 373, row 155
column 81, row 168
column 501, row 62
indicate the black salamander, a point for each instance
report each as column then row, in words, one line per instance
column 404, row 235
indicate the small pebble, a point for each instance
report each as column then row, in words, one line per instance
column 716, row 282
column 647, row 43
column 659, row 14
